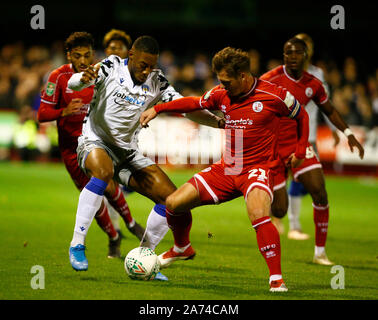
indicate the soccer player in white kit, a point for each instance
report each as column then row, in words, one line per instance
column 108, row 146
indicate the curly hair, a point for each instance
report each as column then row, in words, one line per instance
column 78, row 39
column 232, row 60
column 116, row 34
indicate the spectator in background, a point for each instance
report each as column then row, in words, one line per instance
column 187, row 83
column 201, row 67
column 254, row 58
column 6, row 90
column 373, row 93
column 350, row 72
column 273, row 63
column 25, row 134
column 168, row 65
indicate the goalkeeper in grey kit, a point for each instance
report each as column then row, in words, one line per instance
column 108, row 146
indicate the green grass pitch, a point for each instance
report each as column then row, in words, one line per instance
column 37, row 212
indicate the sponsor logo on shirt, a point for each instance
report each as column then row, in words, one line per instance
column 238, row 124
column 121, row 98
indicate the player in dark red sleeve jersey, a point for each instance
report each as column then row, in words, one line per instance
column 69, row 108
column 252, row 109
column 305, row 87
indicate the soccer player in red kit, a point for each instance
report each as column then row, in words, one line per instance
column 68, row 108
column 252, row 110
column 305, row 87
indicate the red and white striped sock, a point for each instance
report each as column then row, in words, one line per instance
column 321, row 217
column 118, row 202
column 268, row 240
column 103, row 220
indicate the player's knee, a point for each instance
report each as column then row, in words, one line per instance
column 111, row 189
column 104, row 174
column 171, row 203
column 279, row 211
column 319, row 196
column 257, row 213
column 280, row 204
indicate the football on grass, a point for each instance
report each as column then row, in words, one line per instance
column 142, row 263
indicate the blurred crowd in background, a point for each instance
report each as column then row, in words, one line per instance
column 24, row 72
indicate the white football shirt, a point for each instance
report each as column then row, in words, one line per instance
column 118, row 103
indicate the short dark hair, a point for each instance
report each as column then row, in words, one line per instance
column 146, row 44
column 232, row 60
column 295, row 40
column 79, row 39
column 116, row 34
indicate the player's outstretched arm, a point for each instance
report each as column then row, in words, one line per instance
column 334, row 116
column 183, row 105
column 206, row 118
column 85, row 79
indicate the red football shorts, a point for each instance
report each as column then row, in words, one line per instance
column 216, row 186
column 310, row 162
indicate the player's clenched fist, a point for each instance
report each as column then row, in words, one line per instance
column 90, row 73
column 147, row 116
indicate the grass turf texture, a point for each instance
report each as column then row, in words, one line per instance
column 37, row 210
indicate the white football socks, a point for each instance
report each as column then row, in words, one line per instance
column 319, row 251
column 295, row 203
column 157, row 226
column 89, row 203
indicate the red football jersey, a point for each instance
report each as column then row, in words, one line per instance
column 304, row 89
column 257, row 114
column 55, row 97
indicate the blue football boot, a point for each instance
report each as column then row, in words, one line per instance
column 77, row 258
column 161, row 277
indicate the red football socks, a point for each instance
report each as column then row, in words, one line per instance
column 268, row 241
column 180, row 226
column 103, row 220
column 321, row 216
column 118, row 202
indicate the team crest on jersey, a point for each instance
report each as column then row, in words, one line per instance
column 257, row 106
column 223, row 108
column 50, row 88
column 145, row 88
column 309, row 92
